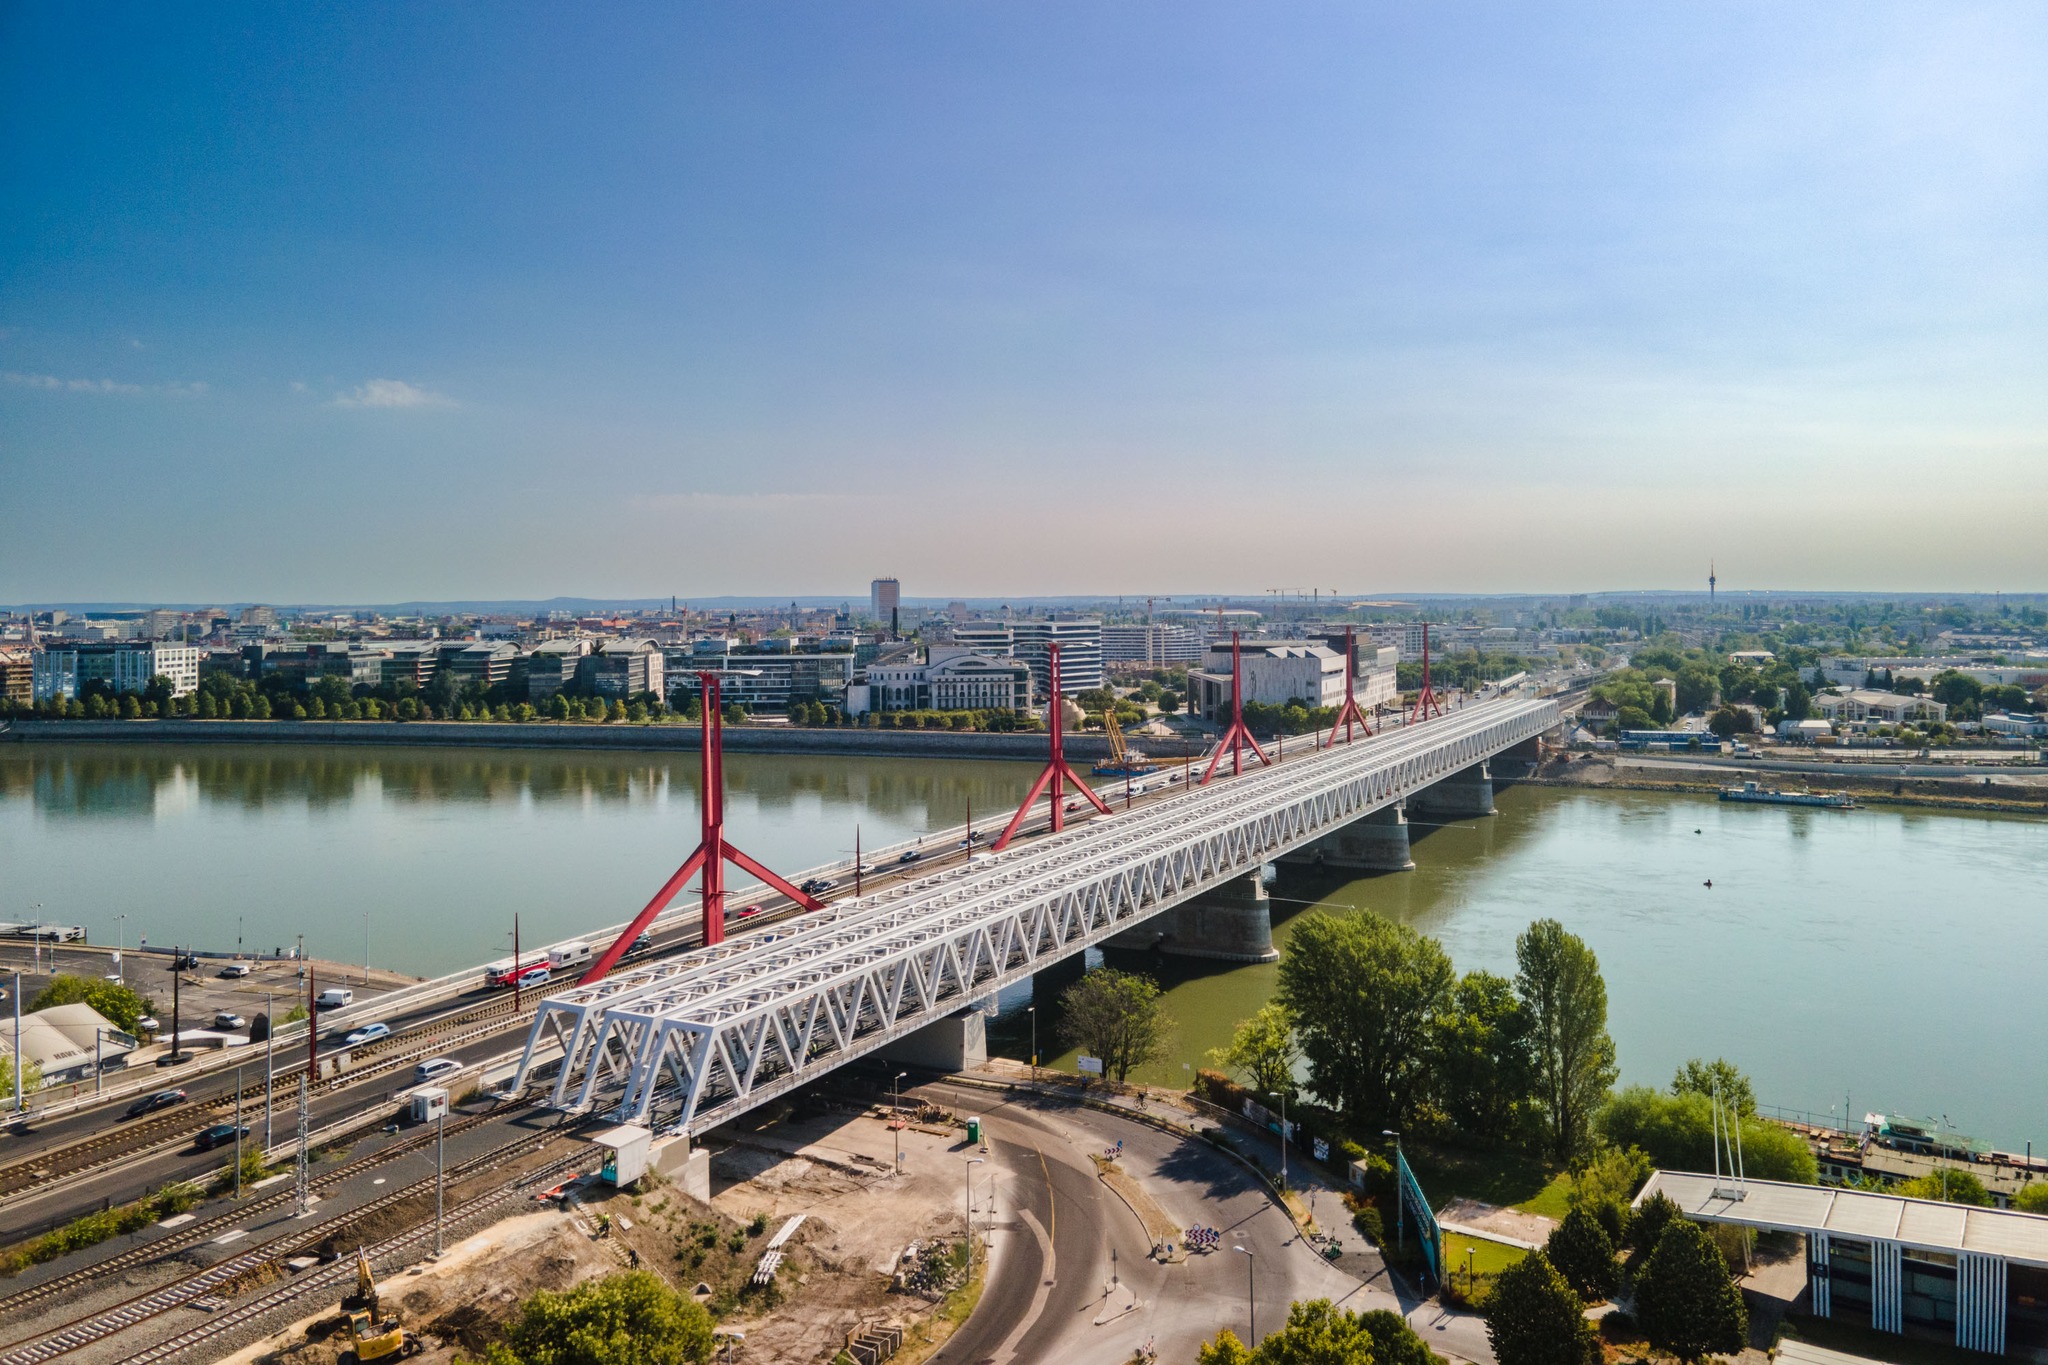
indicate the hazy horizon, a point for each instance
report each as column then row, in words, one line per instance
column 347, row 305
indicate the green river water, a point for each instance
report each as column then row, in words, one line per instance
column 1886, row 959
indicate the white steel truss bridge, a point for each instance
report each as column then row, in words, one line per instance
column 686, row 1043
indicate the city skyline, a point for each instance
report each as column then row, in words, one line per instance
column 341, row 306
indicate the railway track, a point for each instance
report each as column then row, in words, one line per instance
column 205, row 1230
column 85, row 1331
column 170, row 1129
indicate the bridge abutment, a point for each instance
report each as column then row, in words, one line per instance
column 1466, row 793
column 1373, row 843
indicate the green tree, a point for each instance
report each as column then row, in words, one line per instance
column 1961, row 693
column 2032, row 1198
column 1798, row 702
column 1561, row 987
column 1584, row 1254
column 1726, row 723
column 115, row 1002
column 1951, row 1187
column 628, row 1319
column 1678, row 1133
column 1606, row 1184
column 31, row 1078
column 1697, row 686
column 1634, row 718
column 1485, row 1072
column 1534, row 1318
column 1263, row 1050
column 1366, row 995
column 1318, row 1332
column 1685, row 1301
column 1652, row 1216
column 1698, row 1077
column 131, row 707
column 1116, row 1016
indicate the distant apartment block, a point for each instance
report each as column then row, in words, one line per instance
column 61, row 672
column 552, row 666
column 17, row 676
column 1155, row 646
column 759, row 681
column 480, row 663
column 623, row 668
column 1080, row 642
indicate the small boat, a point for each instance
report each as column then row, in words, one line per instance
column 1755, row 793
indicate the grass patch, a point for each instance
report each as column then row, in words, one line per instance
column 1489, row 1259
column 1506, row 1179
column 95, row 1228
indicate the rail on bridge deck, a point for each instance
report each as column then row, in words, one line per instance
column 692, row 1041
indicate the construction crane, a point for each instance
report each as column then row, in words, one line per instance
column 1123, row 761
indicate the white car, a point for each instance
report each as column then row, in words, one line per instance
column 228, row 1020
column 237, row 969
column 435, row 1068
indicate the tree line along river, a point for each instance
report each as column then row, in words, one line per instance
column 1886, row 959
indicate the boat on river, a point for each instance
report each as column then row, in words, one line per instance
column 1756, row 794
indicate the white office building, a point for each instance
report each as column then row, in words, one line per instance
column 1080, row 642
column 1153, row 645
column 125, row 666
column 950, row 679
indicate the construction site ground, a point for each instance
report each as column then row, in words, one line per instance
column 836, row 1276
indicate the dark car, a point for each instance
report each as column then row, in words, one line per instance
column 910, row 856
column 816, row 885
column 149, row 1104
column 220, row 1135
column 184, row 961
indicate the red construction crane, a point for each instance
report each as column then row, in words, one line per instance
column 1425, row 700
column 713, row 852
column 1058, row 772
column 1236, row 736
column 1349, row 712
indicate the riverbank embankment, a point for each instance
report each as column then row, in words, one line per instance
column 1938, row 793
column 616, row 736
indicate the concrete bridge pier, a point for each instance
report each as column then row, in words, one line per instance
column 959, row 1042
column 1374, row 843
column 1228, row 923
column 1467, row 793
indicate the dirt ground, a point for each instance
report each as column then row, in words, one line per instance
column 836, row 1276
column 1523, row 1227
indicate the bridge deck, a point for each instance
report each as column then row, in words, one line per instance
column 694, row 1040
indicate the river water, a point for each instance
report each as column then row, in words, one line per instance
column 1882, row 959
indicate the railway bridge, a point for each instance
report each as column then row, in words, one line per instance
column 689, row 1042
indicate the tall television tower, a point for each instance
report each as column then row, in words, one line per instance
column 1710, row 584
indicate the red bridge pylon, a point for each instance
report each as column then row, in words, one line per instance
column 1058, row 772
column 712, row 854
column 1426, row 703
column 1236, row 736
column 1349, row 711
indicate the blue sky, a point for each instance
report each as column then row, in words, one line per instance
column 350, row 303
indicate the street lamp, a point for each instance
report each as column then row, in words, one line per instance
column 968, row 1195
column 896, row 1116
column 1251, row 1302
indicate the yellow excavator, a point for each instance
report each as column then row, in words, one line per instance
column 374, row 1340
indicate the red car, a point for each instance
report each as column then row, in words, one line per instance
column 748, row 912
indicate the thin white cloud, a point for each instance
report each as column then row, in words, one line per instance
column 54, row 384
column 392, row 393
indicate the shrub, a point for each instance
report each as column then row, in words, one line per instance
column 1366, row 1218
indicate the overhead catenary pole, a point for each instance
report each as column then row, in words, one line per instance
column 269, row 1060
column 1058, row 772
column 713, row 852
column 300, row 1184
column 1236, row 735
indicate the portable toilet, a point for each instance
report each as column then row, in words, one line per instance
column 974, row 1132
column 626, row 1151
column 428, row 1104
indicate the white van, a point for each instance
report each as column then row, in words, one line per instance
column 334, row 998
column 568, row 954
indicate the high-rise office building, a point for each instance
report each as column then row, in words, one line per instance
column 884, row 596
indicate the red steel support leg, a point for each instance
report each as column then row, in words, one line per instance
column 1349, row 712
column 1058, row 772
column 1426, row 703
column 1237, row 736
column 712, row 852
